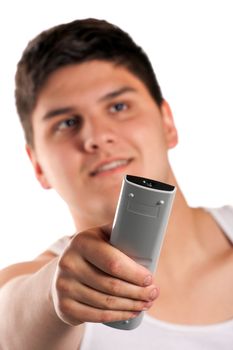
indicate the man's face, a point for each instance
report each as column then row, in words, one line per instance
column 93, row 123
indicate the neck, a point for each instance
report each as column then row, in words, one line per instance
column 187, row 241
column 181, row 244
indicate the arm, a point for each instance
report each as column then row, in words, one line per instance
column 90, row 282
column 27, row 312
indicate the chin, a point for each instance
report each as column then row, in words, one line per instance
column 105, row 214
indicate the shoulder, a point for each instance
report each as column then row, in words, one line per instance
column 224, row 218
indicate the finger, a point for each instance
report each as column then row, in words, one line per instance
column 112, row 261
column 85, row 295
column 82, row 271
column 100, row 281
column 74, row 313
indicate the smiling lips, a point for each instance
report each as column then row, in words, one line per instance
column 112, row 165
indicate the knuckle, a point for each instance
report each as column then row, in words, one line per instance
column 109, row 302
column 64, row 312
column 114, row 266
column 79, row 241
column 114, row 286
column 105, row 317
column 62, row 285
column 65, row 307
column 65, row 263
column 82, row 241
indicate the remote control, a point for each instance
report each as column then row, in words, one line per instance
column 139, row 225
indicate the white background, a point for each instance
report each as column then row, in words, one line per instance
column 190, row 46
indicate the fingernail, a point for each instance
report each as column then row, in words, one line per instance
column 147, row 281
column 154, row 293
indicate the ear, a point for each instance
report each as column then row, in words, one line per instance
column 168, row 125
column 37, row 168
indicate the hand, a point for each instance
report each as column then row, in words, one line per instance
column 95, row 282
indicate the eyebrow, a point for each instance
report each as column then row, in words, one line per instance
column 117, row 93
column 64, row 110
column 58, row 111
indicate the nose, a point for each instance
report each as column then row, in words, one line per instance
column 99, row 136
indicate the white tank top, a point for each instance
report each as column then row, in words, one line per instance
column 153, row 334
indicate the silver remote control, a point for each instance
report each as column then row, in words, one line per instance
column 139, row 225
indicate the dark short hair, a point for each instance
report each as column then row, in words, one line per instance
column 76, row 42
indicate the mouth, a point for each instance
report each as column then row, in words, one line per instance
column 111, row 167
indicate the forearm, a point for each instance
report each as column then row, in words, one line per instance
column 28, row 320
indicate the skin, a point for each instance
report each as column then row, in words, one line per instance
column 115, row 119
column 112, row 116
column 139, row 131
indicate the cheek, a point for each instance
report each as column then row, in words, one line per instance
column 147, row 135
column 148, row 140
column 56, row 165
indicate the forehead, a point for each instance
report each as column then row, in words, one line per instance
column 92, row 79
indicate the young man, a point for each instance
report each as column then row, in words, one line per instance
column 92, row 111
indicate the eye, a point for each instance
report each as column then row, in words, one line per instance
column 118, row 107
column 69, row 123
